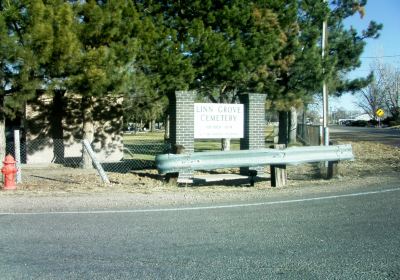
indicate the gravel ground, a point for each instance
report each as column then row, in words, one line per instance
column 57, row 188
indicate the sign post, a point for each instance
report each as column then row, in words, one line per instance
column 379, row 113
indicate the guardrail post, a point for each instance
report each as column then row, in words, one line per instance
column 333, row 170
column 278, row 172
column 331, row 167
column 172, row 178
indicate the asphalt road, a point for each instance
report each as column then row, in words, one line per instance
column 372, row 134
column 349, row 234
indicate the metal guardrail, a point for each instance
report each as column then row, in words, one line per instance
column 170, row 163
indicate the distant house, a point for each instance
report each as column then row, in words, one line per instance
column 363, row 117
column 53, row 129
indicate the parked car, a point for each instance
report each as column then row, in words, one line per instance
column 347, row 122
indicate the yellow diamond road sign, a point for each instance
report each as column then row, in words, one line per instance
column 379, row 113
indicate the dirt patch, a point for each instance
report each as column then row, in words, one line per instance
column 373, row 160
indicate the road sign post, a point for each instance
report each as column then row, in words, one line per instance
column 379, row 113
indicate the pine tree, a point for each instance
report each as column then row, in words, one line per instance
column 162, row 65
column 105, row 63
column 85, row 47
column 7, row 48
column 19, row 58
column 345, row 46
column 231, row 44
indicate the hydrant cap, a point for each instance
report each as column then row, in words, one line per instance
column 9, row 159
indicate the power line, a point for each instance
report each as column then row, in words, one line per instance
column 395, row 55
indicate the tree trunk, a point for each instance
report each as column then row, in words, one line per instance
column 152, row 125
column 293, row 126
column 166, row 125
column 283, row 128
column 88, row 130
column 225, row 144
column 56, row 130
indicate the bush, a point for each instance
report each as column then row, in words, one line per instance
column 373, row 122
column 359, row 123
column 394, row 123
column 391, row 121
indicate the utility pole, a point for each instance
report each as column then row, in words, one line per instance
column 324, row 86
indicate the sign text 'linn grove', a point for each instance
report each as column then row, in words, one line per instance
column 218, row 120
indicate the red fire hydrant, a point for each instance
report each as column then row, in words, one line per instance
column 9, row 170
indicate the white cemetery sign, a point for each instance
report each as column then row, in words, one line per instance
column 218, row 120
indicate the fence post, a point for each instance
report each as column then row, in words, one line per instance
column 99, row 168
column 278, row 172
column 17, row 150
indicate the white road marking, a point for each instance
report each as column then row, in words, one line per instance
column 203, row 207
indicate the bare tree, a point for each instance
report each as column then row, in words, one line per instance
column 371, row 99
column 383, row 92
column 390, row 88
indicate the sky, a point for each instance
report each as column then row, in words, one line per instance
column 386, row 47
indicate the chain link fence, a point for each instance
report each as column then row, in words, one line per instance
column 136, row 151
column 132, row 152
column 44, row 158
column 309, row 135
column 140, row 149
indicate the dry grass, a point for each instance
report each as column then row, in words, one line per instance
column 372, row 159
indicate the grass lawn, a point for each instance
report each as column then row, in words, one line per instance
column 146, row 145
